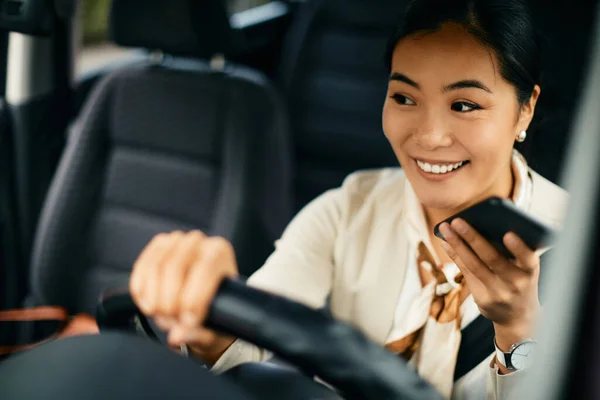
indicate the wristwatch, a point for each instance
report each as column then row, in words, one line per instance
column 518, row 357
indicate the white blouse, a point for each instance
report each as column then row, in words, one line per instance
column 338, row 247
column 473, row 384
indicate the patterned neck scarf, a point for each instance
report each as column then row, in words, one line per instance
column 433, row 321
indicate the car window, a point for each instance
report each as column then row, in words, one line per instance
column 236, row 6
column 93, row 49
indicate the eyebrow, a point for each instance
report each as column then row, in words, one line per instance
column 464, row 84
column 397, row 76
column 467, row 84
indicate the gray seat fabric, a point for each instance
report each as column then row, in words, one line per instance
column 334, row 78
column 162, row 146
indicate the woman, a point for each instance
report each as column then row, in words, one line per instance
column 464, row 82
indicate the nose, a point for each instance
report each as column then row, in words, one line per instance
column 432, row 132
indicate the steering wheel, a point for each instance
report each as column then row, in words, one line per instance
column 309, row 339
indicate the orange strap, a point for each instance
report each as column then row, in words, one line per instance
column 45, row 313
column 80, row 324
column 35, row 314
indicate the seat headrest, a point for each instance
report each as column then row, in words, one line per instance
column 192, row 28
column 364, row 13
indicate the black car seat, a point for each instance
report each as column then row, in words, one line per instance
column 567, row 32
column 175, row 143
column 334, row 78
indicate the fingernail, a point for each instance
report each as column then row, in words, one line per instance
column 189, row 319
column 145, row 306
column 446, row 230
column 510, row 239
column 175, row 336
column 460, row 225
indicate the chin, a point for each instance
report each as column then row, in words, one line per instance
column 438, row 203
column 438, row 200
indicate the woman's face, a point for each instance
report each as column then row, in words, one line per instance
column 452, row 119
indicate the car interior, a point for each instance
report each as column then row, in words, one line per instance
column 231, row 122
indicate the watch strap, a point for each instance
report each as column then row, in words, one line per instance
column 502, row 357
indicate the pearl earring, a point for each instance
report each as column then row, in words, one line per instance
column 521, row 136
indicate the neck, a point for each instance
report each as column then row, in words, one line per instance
column 503, row 187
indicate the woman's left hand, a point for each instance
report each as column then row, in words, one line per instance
column 505, row 291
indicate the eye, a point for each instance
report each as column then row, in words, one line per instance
column 463, row 106
column 402, row 100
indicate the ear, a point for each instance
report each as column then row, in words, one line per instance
column 528, row 109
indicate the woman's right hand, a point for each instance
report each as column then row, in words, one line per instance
column 174, row 281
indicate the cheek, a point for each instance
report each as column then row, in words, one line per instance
column 490, row 148
column 394, row 123
column 387, row 121
column 487, row 140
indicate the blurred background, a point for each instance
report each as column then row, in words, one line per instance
column 161, row 141
column 95, row 49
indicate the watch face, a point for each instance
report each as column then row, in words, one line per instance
column 521, row 356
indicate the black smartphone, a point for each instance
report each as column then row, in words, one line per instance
column 495, row 217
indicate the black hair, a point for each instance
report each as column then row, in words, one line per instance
column 504, row 26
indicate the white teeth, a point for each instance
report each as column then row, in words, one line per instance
column 439, row 169
column 424, row 166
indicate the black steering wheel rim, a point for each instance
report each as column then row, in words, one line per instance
column 321, row 346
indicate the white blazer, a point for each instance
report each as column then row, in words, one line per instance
column 351, row 244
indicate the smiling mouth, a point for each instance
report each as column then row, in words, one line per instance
column 440, row 169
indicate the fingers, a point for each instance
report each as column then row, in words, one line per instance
column 165, row 323
column 505, row 291
column 527, row 259
column 464, row 257
column 155, row 270
column 175, row 269
column 145, row 280
column 177, row 275
column 152, row 251
column 482, row 248
column 174, row 281
column 205, row 274
column 462, row 237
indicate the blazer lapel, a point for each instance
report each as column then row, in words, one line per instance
column 382, row 277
